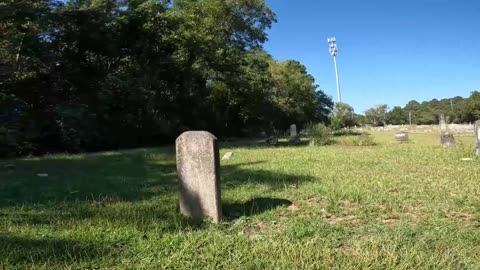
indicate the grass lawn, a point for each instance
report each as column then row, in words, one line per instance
column 388, row 206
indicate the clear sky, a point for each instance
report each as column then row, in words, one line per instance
column 390, row 51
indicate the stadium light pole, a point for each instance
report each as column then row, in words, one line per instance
column 333, row 51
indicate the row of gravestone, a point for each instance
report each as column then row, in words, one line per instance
column 446, row 139
column 198, row 169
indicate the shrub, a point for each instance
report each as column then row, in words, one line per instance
column 320, row 134
column 345, row 132
column 362, row 140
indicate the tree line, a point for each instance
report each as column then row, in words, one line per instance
column 83, row 75
column 456, row 110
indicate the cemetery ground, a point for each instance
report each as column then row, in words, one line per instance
column 413, row 205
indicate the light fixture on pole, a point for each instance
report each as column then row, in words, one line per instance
column 333, row 51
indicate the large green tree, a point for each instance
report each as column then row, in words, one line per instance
column 397, row 116
column 342, row 116
column 94, row 74
column 377, row 115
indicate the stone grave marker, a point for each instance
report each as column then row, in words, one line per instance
column 447, row 140
column 294, row 137
column 293, row 131
column 401, row 137
column 198, row 165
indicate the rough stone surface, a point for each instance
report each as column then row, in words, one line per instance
column 227, row 155
column 401, row 137
column 477, row 136
column 447, row 140
column 294, row 136
column 198, row 172
column 293, row 131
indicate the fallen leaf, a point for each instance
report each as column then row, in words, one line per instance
column 293, row 207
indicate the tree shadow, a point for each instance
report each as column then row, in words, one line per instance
column 88, row 178
column 252, row 207
column 138, row 188
column 24, row 252
column 261, row 143
column 234, row 176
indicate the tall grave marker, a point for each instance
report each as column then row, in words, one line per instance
column 446, row 139
column 293, row 131
column 294, row 138
column 198, row 165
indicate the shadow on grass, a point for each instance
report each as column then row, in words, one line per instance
column 25, row 251
column 124, row 187
column 136, row 189
column 252, row 207
column 89, row 178
column 260, row 143
column 103, row 179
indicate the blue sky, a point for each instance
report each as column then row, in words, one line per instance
column 390, row 51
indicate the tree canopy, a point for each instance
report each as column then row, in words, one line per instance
column 82, row 75
column 456, row 110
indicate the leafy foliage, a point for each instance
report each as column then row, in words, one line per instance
column 320, row 134
column 94, row 74
column 342, row 116
column 377, row 115
column 456, row 110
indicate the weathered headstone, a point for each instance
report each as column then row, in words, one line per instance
column 477, row 136
column 401, row 137
column 443, row 124
column 447, row 140
column 198, row 172
column 293, row 131
column 294, row 136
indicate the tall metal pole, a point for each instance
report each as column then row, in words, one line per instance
column 338, row 81
column 333, row 51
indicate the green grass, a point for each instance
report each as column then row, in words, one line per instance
column 389, row 206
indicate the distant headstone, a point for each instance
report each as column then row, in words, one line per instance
column 443, row 124
column 401, row 137
column 477, row 136
column 447, row 140
column 293, row 131
column 198, row 172
column 227, row 155
column 294, row 137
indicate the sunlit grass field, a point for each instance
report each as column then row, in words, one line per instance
column 390, row 206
